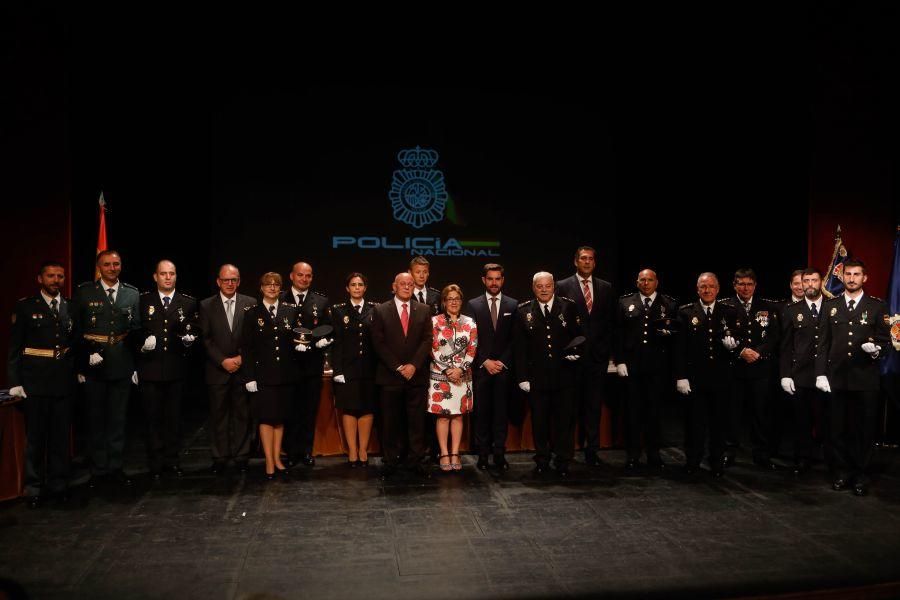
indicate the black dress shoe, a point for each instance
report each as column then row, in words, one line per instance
column 122, row 479
column 541, row 468
column 421, row 471
column 176, row 471
column 592, row 459
column 562, row 471
column 860, row 489
column 631, row 465
column 308, row 460
column 727, row 461
column 839, row 484
column 363, row 463
column 270, row 476
column 92, row 482
column 501, row 463
column 800, row 467
column 34, row 501
column 482, row 463
column 155, row 475
column 218, row 468
column 766, row 464
column 241, row 466
column 352, row 463
column 656, row 465
column 387, row 471
column 283, row 473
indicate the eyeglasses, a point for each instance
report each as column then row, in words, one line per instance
column 232, row 280
column 453, row 300
column 272, row 284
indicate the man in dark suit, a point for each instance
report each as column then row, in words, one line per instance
column 546, row 370
column 106, row 313
column 494, row 313
column 300, row 430
column 595, row 302
column 41, row 371
column 170, row 327
column 703, row 363
column 643, row 345
column 229, row 407
column 757, row 330
column 855, row 336
column 801, row 326
column 401, row 336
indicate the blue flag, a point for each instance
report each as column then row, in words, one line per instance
column 834, row 282
column 891, row 363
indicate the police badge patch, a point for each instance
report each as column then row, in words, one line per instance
column 418, row 194
column 894, row 323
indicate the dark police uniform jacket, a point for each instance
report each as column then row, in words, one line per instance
column 759, row 331
column 41, row 358
column 352, row 354
column 540, row 343
column 267, row 345
column 800, row 334
column 840, row 357
column 641, row 341
column 104, row 328
column 312, row 313
column 700, row 356
column 169, row 361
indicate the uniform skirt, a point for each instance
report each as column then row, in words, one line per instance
column 271, row 405
column 356, row 394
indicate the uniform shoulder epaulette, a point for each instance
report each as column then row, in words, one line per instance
column 86, row 284
column 526, row 303
column 433, row 290
column 26, row 298
column 564, row 298
column 144, row 293
column 623, row 296
column 686, row 306
column 319, row 294
column 876, row 298
column 128, row 285
column 770, row 301
column 832, row 299
column 370, row 303
column 669, row 298
column 729, row 302
column 246, row 308
column 188, row 296
column 339, row 305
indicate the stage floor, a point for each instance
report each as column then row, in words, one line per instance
column 333, row 532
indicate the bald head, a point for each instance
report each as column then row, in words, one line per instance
column 403, row 286
column 165, row 276
column 647, row 282
column 301, row 276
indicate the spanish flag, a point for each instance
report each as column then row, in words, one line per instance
column 101, row 233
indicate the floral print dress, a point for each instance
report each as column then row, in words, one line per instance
column 453, row 346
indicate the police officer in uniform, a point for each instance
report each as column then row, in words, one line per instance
column 170, row 327
column 546, row 370
column 703, row 366
column 855, row 336
column 106, row 312
column 313, row 308
column 801, row 327
column 420, row 269
column 41, row 371
column 645, row 323
column 757, row 331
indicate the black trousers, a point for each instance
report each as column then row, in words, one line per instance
column 162, row 408
column 551, row 415
column 644, row 394
column 402, row 426
column 589, row 395
column 300, row 430
column 47, row 422
column 229, row 421
column 805, row 403
column 108, row 410
column 751, row 395
column 491, row 423
column 853, row 420
column 706, row 416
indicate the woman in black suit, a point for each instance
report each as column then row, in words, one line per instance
column 268, row 368
column 353, row 362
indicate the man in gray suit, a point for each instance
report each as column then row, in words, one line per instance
column 229, row 407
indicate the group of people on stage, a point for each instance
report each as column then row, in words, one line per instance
column 425, row 357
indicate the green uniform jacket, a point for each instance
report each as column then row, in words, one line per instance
column 95, row 316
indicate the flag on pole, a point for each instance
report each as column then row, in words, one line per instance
column 834, row 282
column 101, row 233
column 891, row 364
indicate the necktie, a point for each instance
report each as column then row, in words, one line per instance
column 112, row 295
column 546, row 311
column 494, row 312
column 850, row 305
column 747, row 307
column 587, row 294
column 647, row 304
column 404, row 319
column 358, row 308
column 166, row 300
column 814, row 311
column 300, row 299
column 272, row 312
column 421, row 297
column 229, row 312
column 53, row 308
column 709, row 312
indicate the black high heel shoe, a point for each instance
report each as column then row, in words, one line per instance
column 270, row 476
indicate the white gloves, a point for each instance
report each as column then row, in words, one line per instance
column 729, row 342
column 323, row 343
column 870, row 348
column 525, row 386
column 251, row 386
column 787, row 384
column 149, row 344
column 80, row 378
column 622, row 370
column 683, row 386
column 301, row 347
column 18, row 391
column 822, row 384
column 339, row 379
column 134, row 378
column 95, row 359
column 188, row 339
column 571, row 357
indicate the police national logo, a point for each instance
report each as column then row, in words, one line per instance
column 418, row 194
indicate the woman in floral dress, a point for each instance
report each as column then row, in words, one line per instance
column 450, row 391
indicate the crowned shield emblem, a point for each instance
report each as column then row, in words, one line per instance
column 418, row 194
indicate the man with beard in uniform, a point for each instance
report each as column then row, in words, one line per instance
column 757, row 330
column 703, row 365
column 642, row 350
column 170, row 327
column 546, row 370
column 41, row 371
column 313, row 309
column 855, row 335
column 801, row 327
